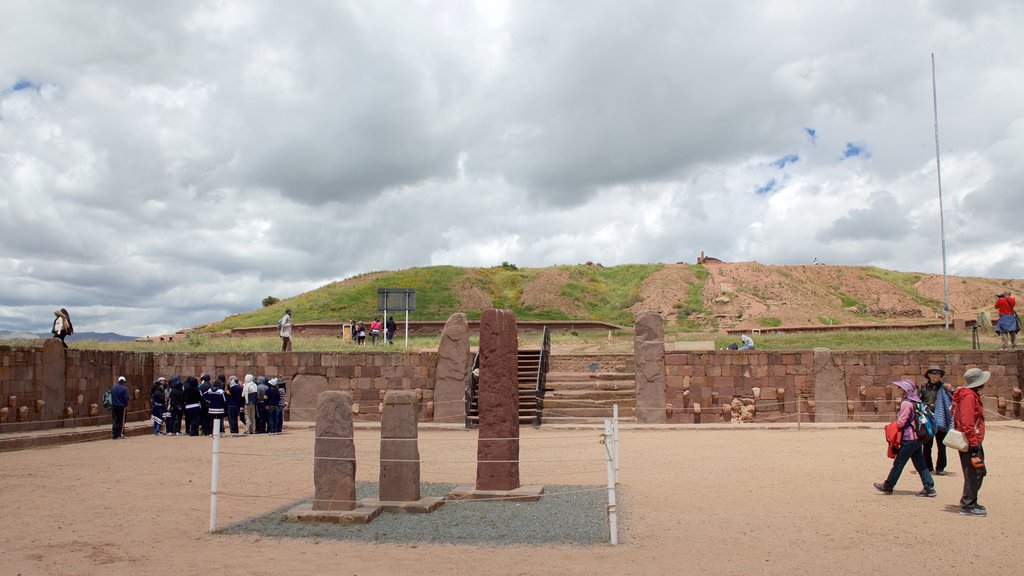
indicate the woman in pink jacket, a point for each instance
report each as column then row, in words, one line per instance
column 969, row 417
column 910, row 448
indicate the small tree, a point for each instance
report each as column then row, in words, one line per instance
column 270, row 301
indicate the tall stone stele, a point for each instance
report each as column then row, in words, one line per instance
column 334, row 468
column 453, row 364
column 649, row 349
column 399, row 450
column 498, row 398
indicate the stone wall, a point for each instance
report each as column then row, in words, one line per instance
column 27, row 375
column 720, row 386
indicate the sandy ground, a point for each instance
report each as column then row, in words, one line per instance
column 693, row 501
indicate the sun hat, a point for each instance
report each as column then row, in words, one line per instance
column 935, row 368
column 976, row 377
column 909, row 387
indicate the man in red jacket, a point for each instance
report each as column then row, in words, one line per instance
column 969, row 418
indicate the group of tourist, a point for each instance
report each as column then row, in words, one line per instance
column 360, row 330
column 256, row 403
column 375, row 330
column 959, row 409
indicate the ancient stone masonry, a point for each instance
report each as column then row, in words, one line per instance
column 453, row 365
column 334, row 469
column 649, row 344
column 498, row 398
column 399, row 451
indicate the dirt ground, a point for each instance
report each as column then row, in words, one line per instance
column 692, row 501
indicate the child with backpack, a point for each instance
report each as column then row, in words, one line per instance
column 916, row 423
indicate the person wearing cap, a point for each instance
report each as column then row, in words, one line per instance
column 119, row 398
column 969, row 418
column 910, row 447
column 273, row 406
column 1008, row 324
column 939, row 400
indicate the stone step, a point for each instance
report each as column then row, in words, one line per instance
column 548, row 415
column 629, row 385
column 589, row 376
column 591, row 394
column 581, row 403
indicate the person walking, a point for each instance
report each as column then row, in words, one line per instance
column 119, row 398
column 375, row 329
column 910, row 447
column 249, row 391
column 391, row 328
column 938, row 399
column 969, row 417
column 282, row 391
column 284, row 326
column 1008, row 324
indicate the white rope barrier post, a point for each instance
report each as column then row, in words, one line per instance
column 613, row 523
column 214, row 474
column 615, row 439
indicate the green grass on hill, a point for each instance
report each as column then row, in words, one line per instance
column 905, row 281
column 606, row 294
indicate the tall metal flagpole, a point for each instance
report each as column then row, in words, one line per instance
column 942, row 222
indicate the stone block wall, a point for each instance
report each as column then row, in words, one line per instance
column 704, row 387
column 40, row 393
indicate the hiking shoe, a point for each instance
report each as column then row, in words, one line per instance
column 881, row 488
column 979, row 507
column 979, row 512
column 927, row 492
column 941, row 473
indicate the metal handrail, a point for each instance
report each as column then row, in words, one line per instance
column 471, row 390
column 542, row 373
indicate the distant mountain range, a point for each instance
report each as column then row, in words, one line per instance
column 98, row 336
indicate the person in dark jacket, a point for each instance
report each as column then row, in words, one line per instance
column 119, row 398
column 261, row 405
column 236, row 400
column 273, row 406
column 205, row 424
column 193, row 406
column 392, row 327
column 938, row 398
column 158, row 405
column 176, row 405
column 216, row 401
column 282, row 403
column 969, row 417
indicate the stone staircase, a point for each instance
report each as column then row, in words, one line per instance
column 588, row 396
column 529, row 366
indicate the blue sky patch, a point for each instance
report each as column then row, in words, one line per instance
column 854, row 150
column 24, row 85
column 788, row 159
column 812, row 134
column 767, row 187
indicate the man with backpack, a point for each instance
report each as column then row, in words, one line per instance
column 915, row 422
column 119, row 398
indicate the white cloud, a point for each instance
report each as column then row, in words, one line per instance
column 164, row 165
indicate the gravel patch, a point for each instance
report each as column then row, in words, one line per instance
column 566, row 515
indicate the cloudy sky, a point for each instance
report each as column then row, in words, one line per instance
column 164, row 164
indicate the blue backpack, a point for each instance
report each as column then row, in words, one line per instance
column 924, row 421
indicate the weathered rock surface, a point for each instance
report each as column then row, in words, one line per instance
column 334, row 468
column 453, row 364
column 399, row 450
column 649, row 346
column 498, row 399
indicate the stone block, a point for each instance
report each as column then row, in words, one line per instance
column 498, row 400
column 399, row 451
column 334, row 468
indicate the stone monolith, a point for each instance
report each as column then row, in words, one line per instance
column 498, row 398
column 334, row 469
column 453, row 364
column 649, row 349
column 399, row 450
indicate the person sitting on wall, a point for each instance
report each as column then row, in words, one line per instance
column 748, row 342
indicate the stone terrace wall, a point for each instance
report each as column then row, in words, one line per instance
column 69, row 390
column 773, row 381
